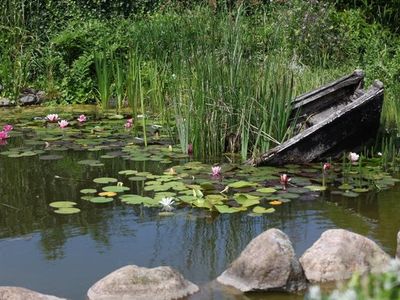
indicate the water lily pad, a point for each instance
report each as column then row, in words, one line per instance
column 88, row 191
column 241, row 184
column 115, row 188
column 166, row 213
column 345, row 186
column 137, row 178
column 266, row 190
column 104, row 180
column 360, row 190
column 101, row 200
column 62, row 204
column 128, row 172
column 350, row 194
column 225, row 209
column 316, row 188
column 263, row 210
column 67, row 210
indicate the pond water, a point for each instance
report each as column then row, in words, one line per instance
column 64, row 255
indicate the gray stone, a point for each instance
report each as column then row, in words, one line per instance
column 133, row 282
column 28, row 100
column 398, row 245
column 41, row 96
column 267, row 263
column 4, row 102
column 18, row 293
column 338, row 253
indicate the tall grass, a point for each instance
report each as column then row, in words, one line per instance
column 104, row 78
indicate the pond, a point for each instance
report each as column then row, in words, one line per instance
column 64, row 254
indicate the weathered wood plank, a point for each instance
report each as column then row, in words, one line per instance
column 343, row 129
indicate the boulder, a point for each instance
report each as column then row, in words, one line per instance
column 29, row 99
column 133, row 282
column 267, row 263
column 398, row 245
column 4, row 102
column 18, row 293
column 338, row 253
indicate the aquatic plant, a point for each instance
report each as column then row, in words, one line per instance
column 128, row 124
column 63, row 123
column 8, row 128
column 167, row 203
column 284, row 180
column 215, row 171
column 4, row 135
column 353, row 157
column 52, row 118
column 82, row 119
column 104, row 77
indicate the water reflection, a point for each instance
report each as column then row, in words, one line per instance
column 65, row 255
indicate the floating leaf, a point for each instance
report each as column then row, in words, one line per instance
column 88, row 191
column 315, row 188
column 360, row 190
column 266, row 190
column 103, row 180
column 225, row 209
column 62, row 204
column 115, row 188
column 101, row 200
column 166, row 213
column 128, row 172
column 67, row 210
column 263, row 210
column 241, row 184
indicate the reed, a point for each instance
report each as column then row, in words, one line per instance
column 104, row 78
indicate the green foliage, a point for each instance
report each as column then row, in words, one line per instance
column 384, row 286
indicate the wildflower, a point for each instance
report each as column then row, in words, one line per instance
column 327, row 166
column 63, row 123
column 379, row 153
column 52, row 118
column 3, row 135
column 166, row 203
column 353, row 157
column 82, row 119
column 216, row 171
column 8, row 128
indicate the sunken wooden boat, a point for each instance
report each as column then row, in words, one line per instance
column 340, row 116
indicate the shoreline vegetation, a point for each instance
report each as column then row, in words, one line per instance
column 211, row 72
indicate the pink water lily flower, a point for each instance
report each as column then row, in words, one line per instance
column 82, row 119
column 63, row 123
column 284, row 180
column 129, row 123
column 190, row 149
column 8, row 128
column 3, row 142
column 52, row 118
column 216, row 171
column 327, row 166
column 3, row 135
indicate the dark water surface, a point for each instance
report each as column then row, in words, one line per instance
column 65, row 255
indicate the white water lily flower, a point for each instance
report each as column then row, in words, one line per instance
column 166, row 203
column 314, row 293
column 353, row 157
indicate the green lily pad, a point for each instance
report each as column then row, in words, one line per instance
column 115, row 188
column 241, row 184
column 263, row 210
column 360, row 190
column 345, row 186
column 67, row 210
column 128, row 172
column 266, row 190
column 105, row 180
column 166, row 213
column 62, row 204
column 350, row 194
column 225, row 209
column 101, row 200
column 316, row 188
column 88, row 191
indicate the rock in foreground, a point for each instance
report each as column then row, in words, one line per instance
column 18, row 293
column 338, row 253
column 133, row 282
column 267, row 263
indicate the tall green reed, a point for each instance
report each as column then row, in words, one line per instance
column 104, row 77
